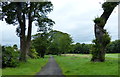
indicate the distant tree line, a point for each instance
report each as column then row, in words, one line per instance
column 80, row 48
column 113, row 47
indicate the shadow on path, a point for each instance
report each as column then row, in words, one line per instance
column 51, row 69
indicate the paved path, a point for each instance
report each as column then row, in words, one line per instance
column 51, row 69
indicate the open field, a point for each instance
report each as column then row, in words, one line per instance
column 89, row 55
column 79, row 64
column 29, row 68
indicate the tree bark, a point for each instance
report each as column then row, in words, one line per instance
column 28, row 41
column 22, row 24
column 99, row 32
column 23, row 41
column 25, row 46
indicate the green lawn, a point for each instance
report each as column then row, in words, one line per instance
column 79, row 64
column 0, row 72
column 113, row 55
column 29, row 68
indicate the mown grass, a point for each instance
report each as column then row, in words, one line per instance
column 81, row 65
column 114, row 55
column 0, row 72
column 29, row 68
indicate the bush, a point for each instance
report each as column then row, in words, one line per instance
column 33, row 54
column 10, row 57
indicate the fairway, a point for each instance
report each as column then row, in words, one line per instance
column 79, row 64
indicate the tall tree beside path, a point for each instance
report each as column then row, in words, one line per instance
column 18, row 13
column 59, row 42
column 102, row 37
column 40, row 43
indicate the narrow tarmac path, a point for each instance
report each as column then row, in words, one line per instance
column 51, row 69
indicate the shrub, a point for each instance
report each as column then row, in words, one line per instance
column 10, row 57
column 33, row 54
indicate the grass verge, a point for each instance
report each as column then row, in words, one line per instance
column 29, row 68
column 79, row 65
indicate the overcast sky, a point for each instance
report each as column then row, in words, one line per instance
column 74, row 17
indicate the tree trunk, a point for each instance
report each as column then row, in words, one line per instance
column 23, row 49
column 28, row 41
column 99, row 32
column 22, row 24
column 42, row 54
column 23, row 41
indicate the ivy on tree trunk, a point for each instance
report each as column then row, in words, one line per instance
column 102, row 37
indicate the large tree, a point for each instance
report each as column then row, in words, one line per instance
column 59, row 42
column 40, row 43
column 24, row 14
column 102, row 37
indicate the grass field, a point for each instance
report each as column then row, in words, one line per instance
column 79, row 64
column 30, row 68
column 0, row 72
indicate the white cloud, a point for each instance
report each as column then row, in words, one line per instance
column 74, row 17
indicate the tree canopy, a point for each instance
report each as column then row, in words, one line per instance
column 59, row 42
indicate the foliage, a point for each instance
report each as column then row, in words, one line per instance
column 107, row 6
column 39, row 10
column 18, row 13
column 79, row 64
column 96, row 48
column 15, row 47
column 113, row 47
column 40, row 43
column 99, row 21
column 32, row 53
column 59, row 42
column 81, row 48
column 10, row 57
column 54, row 42
column 106, row 39
column 31, row 67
